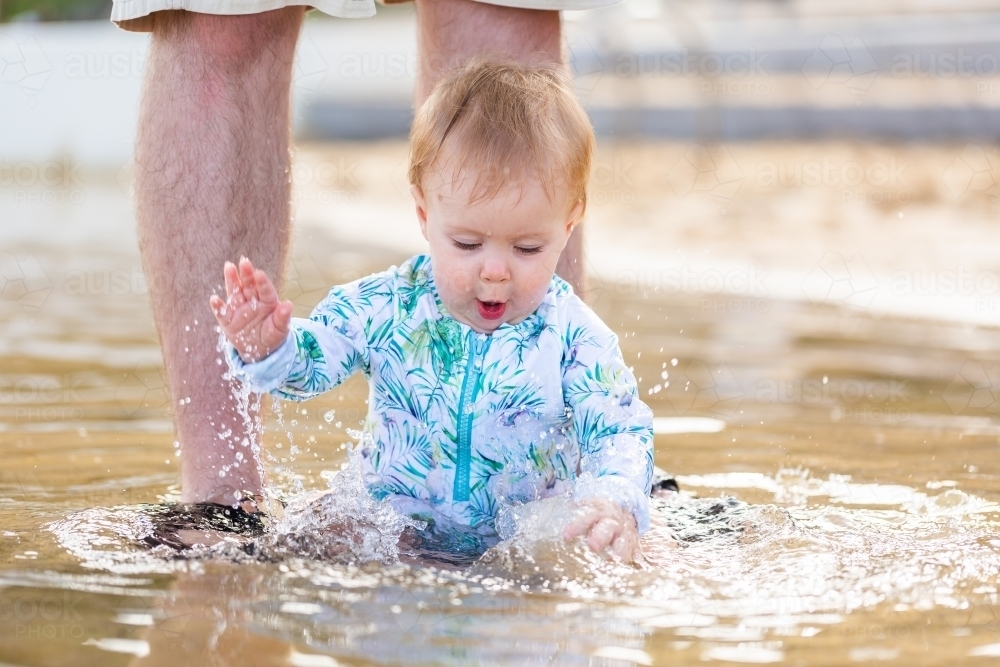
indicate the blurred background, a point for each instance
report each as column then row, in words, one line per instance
column 848, row 136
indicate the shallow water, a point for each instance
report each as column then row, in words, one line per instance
column 846, row 513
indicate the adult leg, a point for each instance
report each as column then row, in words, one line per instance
column 212, row 185
column 450, row 31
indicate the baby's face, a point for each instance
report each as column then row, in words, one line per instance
column 493, row 259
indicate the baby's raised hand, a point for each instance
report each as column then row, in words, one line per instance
column 253, row 319
column 607, row 526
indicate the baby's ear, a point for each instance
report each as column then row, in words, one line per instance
column 575, row 216
column 421, row 204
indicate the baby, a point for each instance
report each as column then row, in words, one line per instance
column 491, row 383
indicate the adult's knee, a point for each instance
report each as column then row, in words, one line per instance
column 232, row 41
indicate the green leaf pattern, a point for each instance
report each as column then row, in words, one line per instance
column 554, row 398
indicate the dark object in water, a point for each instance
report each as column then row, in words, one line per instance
column 664, row 485
column 170, row 520
column 663, row 482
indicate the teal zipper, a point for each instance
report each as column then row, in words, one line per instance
column 473, row 369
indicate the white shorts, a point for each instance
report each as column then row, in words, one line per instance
column 136, row 15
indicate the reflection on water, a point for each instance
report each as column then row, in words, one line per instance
column 840, row 506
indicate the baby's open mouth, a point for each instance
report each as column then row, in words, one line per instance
column 491, row 310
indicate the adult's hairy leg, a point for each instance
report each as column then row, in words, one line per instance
column 212, row 184
column 451, row 31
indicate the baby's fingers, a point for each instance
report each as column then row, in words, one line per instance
column 249, row 279
column 282, row 317
column 274, row 329
column 234, row 288
column 279, row 321
column 581, row 523
column 265, row 288
column 232, row 279
column 624, row 548
column 605, row 532
column 223, row 313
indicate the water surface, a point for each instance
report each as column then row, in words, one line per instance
column 846, row 513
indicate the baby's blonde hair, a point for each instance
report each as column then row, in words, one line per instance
column 509, row 122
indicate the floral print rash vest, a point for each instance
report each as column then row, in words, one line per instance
column 460, row 423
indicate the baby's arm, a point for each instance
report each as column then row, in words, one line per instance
column 615, row 431
column 315, row 354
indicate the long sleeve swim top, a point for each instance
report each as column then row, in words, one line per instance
column 466, row 421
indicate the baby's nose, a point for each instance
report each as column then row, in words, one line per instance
column 495, row 271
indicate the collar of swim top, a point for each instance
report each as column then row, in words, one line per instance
column 556, row 286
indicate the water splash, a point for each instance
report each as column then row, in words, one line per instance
column 867, row 545
column 342, row 524
column 246, row 449
column 711, row 562
column 535, row 555
column 288, row 485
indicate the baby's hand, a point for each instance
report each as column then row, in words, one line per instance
column 606, row 524
column 254, row 320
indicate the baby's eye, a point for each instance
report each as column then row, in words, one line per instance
column 465, row 246
column 528, row 251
